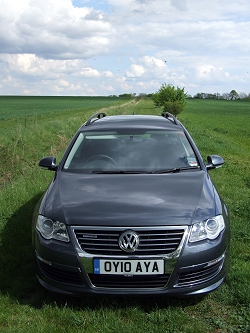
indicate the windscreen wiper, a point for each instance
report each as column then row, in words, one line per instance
column 120, row 172
column 173, row 170
column 176, row 170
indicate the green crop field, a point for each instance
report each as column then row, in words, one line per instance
column 34, row 127
column 23, row 107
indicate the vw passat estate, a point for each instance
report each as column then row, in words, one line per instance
column 131, row 210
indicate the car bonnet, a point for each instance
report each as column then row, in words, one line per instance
column 130, row 200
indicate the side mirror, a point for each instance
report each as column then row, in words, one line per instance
column 48, row 163
column 214, row 161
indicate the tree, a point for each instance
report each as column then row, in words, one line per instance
column 226, row 96
column 199, row 96
column 169, row 98
column 233, row 95
column 128, row 95
column 242, row 95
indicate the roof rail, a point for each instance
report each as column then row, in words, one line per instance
column 95, row 117
column 169, row 116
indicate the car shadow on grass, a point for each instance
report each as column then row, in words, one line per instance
column 17, row 270
column 18, row 278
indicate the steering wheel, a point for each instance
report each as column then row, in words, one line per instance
column 101, row 157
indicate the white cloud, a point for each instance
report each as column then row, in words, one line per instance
column 59, row 47
column 153, row 62
column 64, row 83
column 135, row 71
column 179, row 4
column 53, row 29
column 211, row 74
column 149, row 68
column 106, row 88
column 31, row 65
column 89, row 72
column 108, row 74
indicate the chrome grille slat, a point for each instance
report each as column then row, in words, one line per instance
column 105, row 241
column 141, row 251
column 199, row 276
column 160, row 234
column 100, row 243
column 100, row 248
column 160, row 244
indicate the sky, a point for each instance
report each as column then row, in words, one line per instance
column 112, row 47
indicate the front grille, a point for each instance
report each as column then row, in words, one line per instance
column 139, row 282
column 60, row 275
column 104, row 241
column 199, row 276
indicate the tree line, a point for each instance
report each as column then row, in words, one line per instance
column 173, row 99
column 232, row 96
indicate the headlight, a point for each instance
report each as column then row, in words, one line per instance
column 209, row 229
column 52, row 229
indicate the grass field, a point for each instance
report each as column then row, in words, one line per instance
column 33, row 127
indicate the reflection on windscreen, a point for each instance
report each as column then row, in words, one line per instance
column 133, row 151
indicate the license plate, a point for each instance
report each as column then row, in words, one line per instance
column 129, row 267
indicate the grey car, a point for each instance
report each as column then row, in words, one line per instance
column 131, row 210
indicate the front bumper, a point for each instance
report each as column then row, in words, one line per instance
column 197, row 269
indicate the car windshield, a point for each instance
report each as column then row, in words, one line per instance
column 129, row 151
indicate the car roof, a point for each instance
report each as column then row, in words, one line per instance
column 130, row 121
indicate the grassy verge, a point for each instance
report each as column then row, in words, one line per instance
column 218, row 127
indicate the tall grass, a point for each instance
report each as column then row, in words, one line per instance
column 218, row 127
